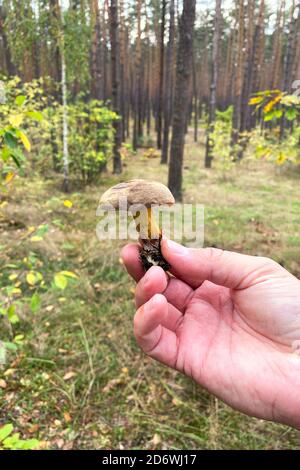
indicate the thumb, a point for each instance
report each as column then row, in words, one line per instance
column 224, row 268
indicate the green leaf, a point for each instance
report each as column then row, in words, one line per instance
column 35, row 303
column 42, row 230
column 60, row 281
column 15, row 159
column 10, row 346
column 278, row 113
column 18, row 339
column 11, row 314
column 20, row 100
column 35, row 115
column 269, row 116
column 291, row 114
column 5, row 431
column 10, row 140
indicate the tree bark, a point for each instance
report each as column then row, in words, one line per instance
column 115, row 79
column 181, row 97
column 168, row 85
column 161, row 75
column 213, row 86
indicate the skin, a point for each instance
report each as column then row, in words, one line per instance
column 229, row 321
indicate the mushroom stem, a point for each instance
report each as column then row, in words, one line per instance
column 146, row 225
column 150, row 238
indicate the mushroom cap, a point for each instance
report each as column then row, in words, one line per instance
column 145, row 193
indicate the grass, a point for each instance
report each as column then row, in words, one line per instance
column 79, row 380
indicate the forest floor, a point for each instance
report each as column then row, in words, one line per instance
column 79, row 380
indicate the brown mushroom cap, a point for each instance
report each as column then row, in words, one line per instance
column 137, row 191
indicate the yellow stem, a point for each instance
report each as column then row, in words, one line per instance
column 146, row 225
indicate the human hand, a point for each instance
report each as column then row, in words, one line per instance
column 229, row 321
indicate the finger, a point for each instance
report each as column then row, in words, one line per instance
column 156, row 281
column 131, row 257
column 151, row 330
column 224, row 268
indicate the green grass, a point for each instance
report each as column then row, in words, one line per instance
column 80, row 381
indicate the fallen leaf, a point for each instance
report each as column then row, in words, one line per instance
column 3, row 384
column 68, row 446
column 156, row 440
column 33, row 429
column 111, row 384
column 69, row 375
column 9, row 372
column 60, row 443
column 67, row 417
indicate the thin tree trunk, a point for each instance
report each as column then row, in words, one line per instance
column 236, row 119
column 168, row 85
column 161, row 75
column 213, row 87
column 96, row 91
column 64, row 103
column 115, row 79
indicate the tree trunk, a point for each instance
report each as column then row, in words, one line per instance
column 168, row 85
column 8, row 65
column 161, row 75
column 115, row 79
column 96, row 79
column 213, row 86
column 64, row 103
column 181, row 97
column 236, row 119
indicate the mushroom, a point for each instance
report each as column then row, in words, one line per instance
column 140, row 196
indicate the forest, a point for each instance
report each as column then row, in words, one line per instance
column 201, row 96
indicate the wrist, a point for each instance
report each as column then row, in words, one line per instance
column 287, row 405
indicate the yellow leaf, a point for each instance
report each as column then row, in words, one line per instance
column 9, row 177
column 68, row 203
column 69, row 274
column 31, row 279
column 255, row 100
column 36, row 238
column 12, row 277
column 269, row 106
column 25, row 141
column 9, row 372
column 16, row 120
column 16, row 291
column 281, row 159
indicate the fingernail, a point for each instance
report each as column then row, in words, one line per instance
column 176, row 248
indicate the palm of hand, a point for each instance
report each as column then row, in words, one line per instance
column 230, row 344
